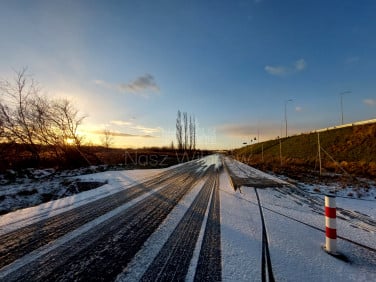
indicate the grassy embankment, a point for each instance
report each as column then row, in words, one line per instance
column 351, row 148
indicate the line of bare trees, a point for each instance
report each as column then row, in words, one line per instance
column 36, row 121
column 185, row 131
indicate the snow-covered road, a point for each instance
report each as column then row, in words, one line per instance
column 186, row 223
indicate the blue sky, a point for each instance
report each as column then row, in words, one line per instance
column 130, row 65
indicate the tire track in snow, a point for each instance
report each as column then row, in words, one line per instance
column 209, row 266
column 172, row 262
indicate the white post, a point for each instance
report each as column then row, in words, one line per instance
column 330, row 224
column 319, row 149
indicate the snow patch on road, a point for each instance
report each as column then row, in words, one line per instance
column 212, row 160
column 241, row 235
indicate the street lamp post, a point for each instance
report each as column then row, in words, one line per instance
column 286, row 101
column 341, row 100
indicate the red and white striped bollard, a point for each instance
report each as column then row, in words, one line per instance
column 330, row 224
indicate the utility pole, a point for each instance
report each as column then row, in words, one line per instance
column 319, row 149
column 286, row 101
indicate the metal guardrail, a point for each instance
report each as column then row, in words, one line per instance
column 346, row 125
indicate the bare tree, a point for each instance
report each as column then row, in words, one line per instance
column 69, row 121
column 30, row 119
column 108, row 138
column 185, row 124
column 179, row 131
column 194, row 133
column 190, row 133
column 16, row 114
column 186, row 131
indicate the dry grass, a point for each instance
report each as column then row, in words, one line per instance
column 352, row 148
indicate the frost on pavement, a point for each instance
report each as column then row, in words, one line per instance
column 241, row 234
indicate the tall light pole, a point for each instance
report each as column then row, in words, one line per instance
column 341, row 99
column 286, row 101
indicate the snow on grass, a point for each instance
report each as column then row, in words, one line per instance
column 297, row 255
column 358, row 205
column 364, row 193
column 296, row 248
column 117, row 181
column 313, row 214
column 32, row 187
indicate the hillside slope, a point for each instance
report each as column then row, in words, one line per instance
column 352, row 149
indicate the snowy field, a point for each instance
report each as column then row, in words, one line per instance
column 293, row 216
column 295, row 243
column 116, row 181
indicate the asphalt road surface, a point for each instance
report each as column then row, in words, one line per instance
column 102, row 251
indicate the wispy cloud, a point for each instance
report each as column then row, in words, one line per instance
column 120, row 122
column 138, row 86
column 298, row 109
column 277, row 70
column 369, row 102
column 121, row 134
column 140, row 128
column 297, row 66
column 145, row 82
column 147, row 130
